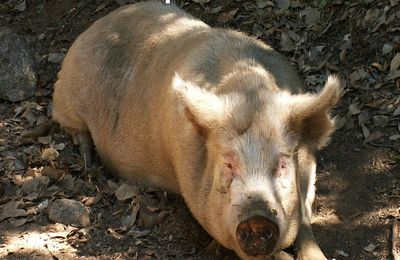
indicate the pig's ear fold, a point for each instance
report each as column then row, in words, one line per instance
column 204, row 109
column 310, row 117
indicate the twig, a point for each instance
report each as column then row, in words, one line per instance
column 395, row 238
column 383, row 145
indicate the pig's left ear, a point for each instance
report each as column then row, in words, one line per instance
column 310, row 116
column 205, row 110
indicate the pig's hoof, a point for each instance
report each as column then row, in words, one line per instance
column 85, row 147
column 257, row 236
column 310, row 254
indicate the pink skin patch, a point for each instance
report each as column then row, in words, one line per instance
column 282, row 171
column 230, row 164
column 230, row 168
column 282, row 166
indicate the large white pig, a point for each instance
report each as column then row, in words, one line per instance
column 212, row 114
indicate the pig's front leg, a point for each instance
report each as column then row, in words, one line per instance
column 307, row 247
column 281, row 255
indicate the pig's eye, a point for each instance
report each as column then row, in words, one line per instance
column 282, row 165
column 230, row 164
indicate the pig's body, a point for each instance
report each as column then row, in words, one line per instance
column 127, row 103
column 162, row 94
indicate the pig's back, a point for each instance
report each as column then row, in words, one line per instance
column 116, row 74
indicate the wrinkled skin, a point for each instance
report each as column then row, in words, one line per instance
column 211, row 114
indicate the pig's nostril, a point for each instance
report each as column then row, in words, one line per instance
column 257, row 235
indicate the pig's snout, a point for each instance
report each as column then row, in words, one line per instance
column 257, row 235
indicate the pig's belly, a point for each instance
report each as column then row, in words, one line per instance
column 135, row 160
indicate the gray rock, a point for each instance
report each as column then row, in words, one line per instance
column 69, row 212
column 17, row 67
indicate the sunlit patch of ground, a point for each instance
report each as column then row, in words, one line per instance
column 52, row 242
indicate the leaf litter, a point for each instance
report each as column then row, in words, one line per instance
column 39, row 164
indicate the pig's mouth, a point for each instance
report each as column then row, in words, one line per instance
column 257, row 235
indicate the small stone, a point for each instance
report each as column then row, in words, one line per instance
column 342, row 253
column 380, row 120
column 55, row 57
column 387, row 48
column 69, row 212
column 370, row 247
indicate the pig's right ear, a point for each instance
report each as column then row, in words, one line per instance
column 204, row 109
column 311, row 117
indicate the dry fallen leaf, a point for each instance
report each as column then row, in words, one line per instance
column 17, row 222
column 395, row 63
column 371, row 16
column 264, row 3
column 201, row 1
column 396, row 112
column 365, row 131
column 49, row 154
column 44, row 139
column 393, row 75
column 354, row 108
column 283, row 4
column 214, row 10
column 114, row 233
column 227, row 16
column 363, row 117
column 52, row 173
column 287, row 44
column 125, row 192
column 394, row 137
column 311, row 16
column 21, row 6
column 11, row 210
column 130, row 220
column 373, row 136
column 112, row 185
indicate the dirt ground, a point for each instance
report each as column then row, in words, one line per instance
column 358, row 185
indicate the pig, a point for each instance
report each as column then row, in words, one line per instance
column 212, row 114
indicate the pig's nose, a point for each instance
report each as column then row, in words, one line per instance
column 257, row 235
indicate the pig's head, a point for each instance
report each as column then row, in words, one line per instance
column 249, row 193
